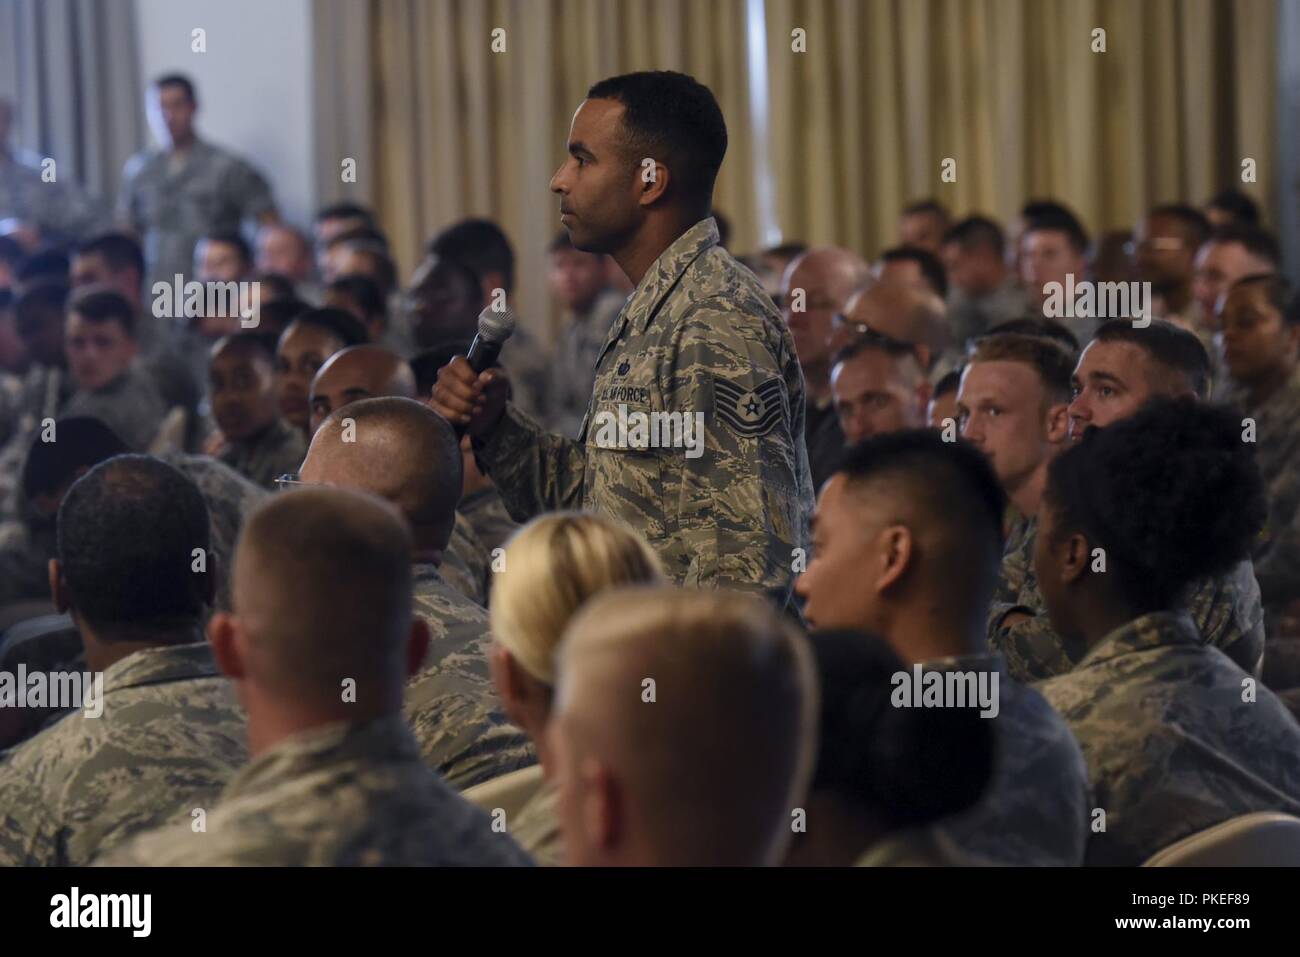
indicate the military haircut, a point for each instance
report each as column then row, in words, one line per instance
column 338, row 322
column 259, row 346
column 120, row 251
column 1196, row 228
column 976, row 232
column 1040, row 326
column 1175, row 350
column 1278, row 291
column 1171, row 493
column 930, row 265
column 1258, row 242
column 233, row 239
column 365, row 291
column 79, row 442
column 1051, row 364
column 481, row 246
column 128, row 531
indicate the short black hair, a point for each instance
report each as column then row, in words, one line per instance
column 177, row 79
column 79, row 442
column 931, row 267
column 1236, row 204
column 1050, row 216
column 1175, row 349
column 1256, row 241
column 359, row 234
column 1278, row 290
column 1170, row 493
column 116, row 576
column 951, row 481
column 45, row 264
column 38, row 304
column 274, row 317
column 1196, row 228
column 1053, row 365
column 119, row 251
column 948, row 383
column 257, row 344
column 908, row 767
column 481, row 246
column 280, row 286
column 345, row 211
column 340, row 322
column 928, row 207
column 671, row 117
column 976, row 232
column 231, row 238
column 386, row 271
column 365, row 292
column 870, row 340
column 1039, row 326
column 97, row 304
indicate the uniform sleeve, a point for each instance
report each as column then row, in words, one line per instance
column 126, row 212
column 26, row 833
column 534, row 470
column 743, row 507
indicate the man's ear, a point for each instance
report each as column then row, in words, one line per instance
column 602, row 812
column 1075, row 556
column 417, row 648
column 58, row 587
column 225, row 636
column 1058, row 423
column 653, row 178
column 894, row 558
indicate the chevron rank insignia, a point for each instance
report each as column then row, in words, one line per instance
column 749, row 412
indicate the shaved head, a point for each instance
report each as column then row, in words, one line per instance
column 358, row 372
column 683, row 729
column 827, row 276
column 322, row 593
column 904, row 313
column 397, row 449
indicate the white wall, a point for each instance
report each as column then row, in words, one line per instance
column 254, row 83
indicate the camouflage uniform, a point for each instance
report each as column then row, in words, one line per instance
column 172, row 208
column 1226, row 610
column 487, row 516
column 698, row 335
column 345, row 794
column 170, row 737
column 262, row 459
column 466, row 564
column 60, row 210
column 130, row 405
column 1035, row 811
column 1172, row 747
column 451, row 702
column 572, row 370
column 537, row 827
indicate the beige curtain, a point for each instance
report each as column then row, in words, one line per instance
column 857, row 125
column 1013, row 92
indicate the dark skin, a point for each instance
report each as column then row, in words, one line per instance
column 302, row 350
column 442, row 304
column 607, row 206
column 243, row 394
column 361, row 372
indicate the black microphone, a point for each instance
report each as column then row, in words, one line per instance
column 494, row 328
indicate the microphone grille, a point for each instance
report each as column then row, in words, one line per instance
column 496, row 326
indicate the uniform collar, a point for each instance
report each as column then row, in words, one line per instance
column 1156, row 630
column 665, row 271
column 153, row 666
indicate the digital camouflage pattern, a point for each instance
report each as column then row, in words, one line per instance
column 170, row 737
column 1177, row 737
column 487, row 517
column 699, row 326
column 130, row 405
column 262, row 459
column 346, row 794
column 451, row 703
column 59, row 209
column 1226, row 610
column 172, row 207
column 466, row 564
column 1035, row 811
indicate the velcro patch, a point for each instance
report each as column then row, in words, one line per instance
column 749, row 412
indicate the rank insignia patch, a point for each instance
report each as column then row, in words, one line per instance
column 749, row 412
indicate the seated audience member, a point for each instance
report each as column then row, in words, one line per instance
column 222, row 257
column 1110, row 260
column 407, row 454
column 1012, row 406
column 366, row 371
column 878, row 387
column 272, row 318
column 1177, row 737
column 770, row 264
column 111, row 259
column 1165, row 244
column 311, row 338
column 1118, row 372
column 160, row 732
column 579, row 282
column 283, row 250
column 255, row 441
column 918, row 268
column 334, row 220
column 1040, row 328
column 683, row 730
column 922, row 225
column 1261, row 351
column 816, row 285
column 99, row 339
column 906, row 545
column 442, row 303
column 885, row 774
column 1054, row 249
column 555, row 564
column 363, row 297
column 941, row 411
column 1231, row 253
column 274, row 287
column 904, row 313
column 1229, row 207
column 982, row 293
column 366, row 257
column 323, row 603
